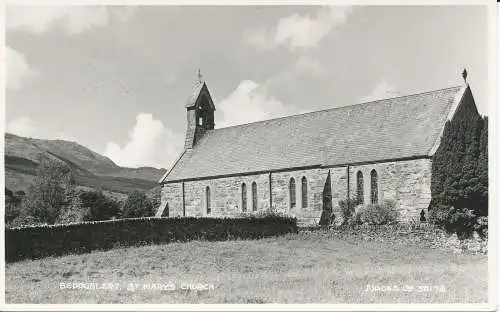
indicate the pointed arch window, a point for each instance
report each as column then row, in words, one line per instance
column 291, row 192
column 208, row 199
column 254, row 196
column 243, row 197
column 360, row 192
column 304, row 192
column 374, row 186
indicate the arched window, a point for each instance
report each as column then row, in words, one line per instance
column 207, row 199
column 360, row 192
column 243, row 197
column 374, row 187
column 254, row 196
column 304, row 192
column 291, row 191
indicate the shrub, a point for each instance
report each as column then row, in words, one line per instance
column 460, row 172
column 378, row 214
column 99, row 206
column 54, row 240
column 481, row 226
column 137, row 205
column 439, row 213
column 347, row 209
column 461, row 221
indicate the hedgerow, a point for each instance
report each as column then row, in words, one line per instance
column 54, row 240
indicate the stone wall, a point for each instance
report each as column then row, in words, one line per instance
column 171, row 194
column 316, row 179
column 225, row 195
column 406, row 182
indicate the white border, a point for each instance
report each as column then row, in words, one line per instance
column 250, row 307
column 494, row 70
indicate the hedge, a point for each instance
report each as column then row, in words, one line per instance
column 35, row 242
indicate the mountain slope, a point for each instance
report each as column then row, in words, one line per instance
column 91, row 170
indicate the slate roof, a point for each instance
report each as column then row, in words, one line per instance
column 401, row 127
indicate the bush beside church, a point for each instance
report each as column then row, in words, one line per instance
column 459, row 183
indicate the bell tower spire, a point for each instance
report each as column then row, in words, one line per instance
column 200, row 113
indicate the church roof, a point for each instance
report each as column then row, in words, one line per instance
column 395, row 128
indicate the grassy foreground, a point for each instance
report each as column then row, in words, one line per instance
column 308, row 267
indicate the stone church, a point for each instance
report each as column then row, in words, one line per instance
column 373, row 151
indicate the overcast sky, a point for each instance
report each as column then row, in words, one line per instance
column 116, row 79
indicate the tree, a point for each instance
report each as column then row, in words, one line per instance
column 137, row 205
column 482, row 170
column 459, row 184
column 12, row 206
column 154, row 196
column 327, row 213
column 99, row 206
column 52, row 194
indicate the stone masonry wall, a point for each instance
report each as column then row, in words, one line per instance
column 316, row 179
column 225, row 194
column 406, row 182
column 171, row 193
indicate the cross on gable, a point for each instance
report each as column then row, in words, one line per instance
column 199, row 75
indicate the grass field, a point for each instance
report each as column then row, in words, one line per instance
column 308, row 267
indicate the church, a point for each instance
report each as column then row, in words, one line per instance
column 373, row 151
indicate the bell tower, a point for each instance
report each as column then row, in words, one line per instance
column 200, row 113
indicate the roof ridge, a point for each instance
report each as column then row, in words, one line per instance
column 336, row 108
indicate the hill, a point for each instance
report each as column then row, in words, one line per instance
column 90, row 169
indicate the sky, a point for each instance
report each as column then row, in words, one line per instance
column 116, row 78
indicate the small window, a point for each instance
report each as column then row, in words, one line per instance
column 207, row 198
column 244, row 197
column 304, row 192
column 291, row 192
column 374, row 187
column 254, row 196
column 360, row 193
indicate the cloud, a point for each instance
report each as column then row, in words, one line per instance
column 69, row 19
column 381, row 91
column 297, row 31
column 18, row 69
column 249, row 102
column 150, row 144
column 261, row 38
column 308, row 65
column 22, row 126
column 64, row 136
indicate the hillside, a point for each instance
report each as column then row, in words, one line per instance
column 91, row 170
